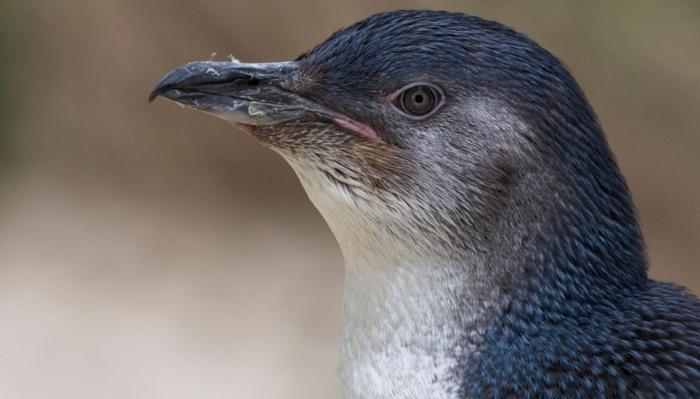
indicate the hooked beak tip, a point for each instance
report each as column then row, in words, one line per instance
column 160, row 88
column 154, row 94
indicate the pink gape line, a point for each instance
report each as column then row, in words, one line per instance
column 358, row 128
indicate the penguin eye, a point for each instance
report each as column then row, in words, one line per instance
column 418, row 100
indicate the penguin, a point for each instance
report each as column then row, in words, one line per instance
column 491, row 245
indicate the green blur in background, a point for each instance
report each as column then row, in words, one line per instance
column 151, row 252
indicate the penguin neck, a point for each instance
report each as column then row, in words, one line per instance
column 411, row 314
column 417, row 309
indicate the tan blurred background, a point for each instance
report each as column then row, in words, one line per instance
column 151, row 252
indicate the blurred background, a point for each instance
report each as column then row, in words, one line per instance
column 151, row 252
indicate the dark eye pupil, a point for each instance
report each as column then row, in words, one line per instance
column 419, row 100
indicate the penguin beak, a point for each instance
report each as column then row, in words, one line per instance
column 247, row 94
column 236, row 92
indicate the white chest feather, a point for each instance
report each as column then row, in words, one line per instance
column 400, row 339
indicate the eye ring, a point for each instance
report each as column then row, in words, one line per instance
column 417, row 100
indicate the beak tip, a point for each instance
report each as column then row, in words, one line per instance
column 157, row 91
column 154, row 94
column 169, row 81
